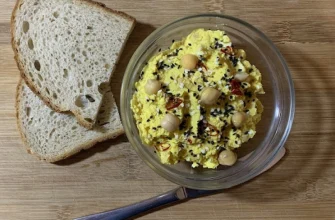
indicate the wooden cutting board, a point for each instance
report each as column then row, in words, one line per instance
column 301, row 186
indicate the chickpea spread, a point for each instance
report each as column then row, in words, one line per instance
column 197, row 101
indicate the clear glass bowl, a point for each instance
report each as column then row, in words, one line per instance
column 279, row 102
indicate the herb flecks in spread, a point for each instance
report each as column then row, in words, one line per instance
column 197, row 100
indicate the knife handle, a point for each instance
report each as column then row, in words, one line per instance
column 140, row 207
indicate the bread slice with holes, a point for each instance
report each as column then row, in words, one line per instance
column 54, row 136
column 67, row 50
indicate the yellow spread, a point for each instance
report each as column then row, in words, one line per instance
column 204, row 130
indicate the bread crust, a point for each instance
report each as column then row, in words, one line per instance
column 30, row 84
column 66, row 154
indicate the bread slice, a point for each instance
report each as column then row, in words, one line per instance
column 55, row 136
column 67, row 50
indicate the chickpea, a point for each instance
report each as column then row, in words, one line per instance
column 189, row 61
column 241, row 54
column 227, row 158
column 238, row 119
column 241, row 76
column 170, row 122
column 209, row 96
column 152, row 86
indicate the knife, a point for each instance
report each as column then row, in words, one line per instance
column 173, row 196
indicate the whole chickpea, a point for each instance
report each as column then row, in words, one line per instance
column 189, row 61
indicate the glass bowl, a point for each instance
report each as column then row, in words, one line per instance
column 279, row 102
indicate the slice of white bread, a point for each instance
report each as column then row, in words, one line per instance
column 67, row 50
column 54, row 136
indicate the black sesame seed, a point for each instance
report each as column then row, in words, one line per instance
column 216, row 39
column 171, row 78
column 250, row 70
column 238, row 136
column 173, row 41
column 154, row 128
column 155, row 73
column 159, row 126
column 148, row 120
column 248, row 94
column 247, row 132
column 236, row 142
column 240, row 70
column 160, row 49
column 189, row 44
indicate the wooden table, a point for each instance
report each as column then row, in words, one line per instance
column 301, row 186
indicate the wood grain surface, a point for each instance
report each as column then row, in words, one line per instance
column 301, row 186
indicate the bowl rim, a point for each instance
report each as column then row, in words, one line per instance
column 148, row 41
